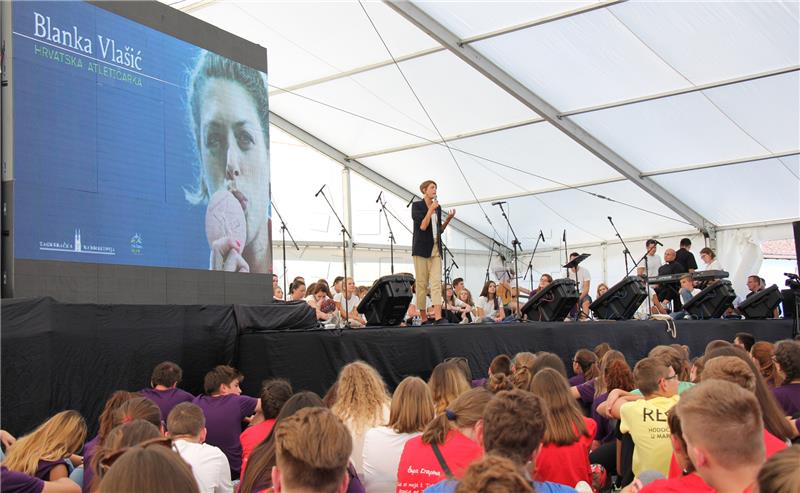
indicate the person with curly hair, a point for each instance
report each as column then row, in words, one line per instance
column 362, row 402
column 787, row 362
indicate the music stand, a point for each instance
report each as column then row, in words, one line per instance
column 574, row 264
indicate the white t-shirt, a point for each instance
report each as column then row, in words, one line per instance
column 488, row 307
column 209, row 466
column 357, row 456
column 714, row 265
column 653, row 263
column 382, row 449
column 582, row 275
column 352, row 303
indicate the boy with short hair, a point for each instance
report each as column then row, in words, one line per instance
column 225, row 409
column 312, row 451
column 164, row 389
column 722, row 427
column 210, row 467
column 644, row 416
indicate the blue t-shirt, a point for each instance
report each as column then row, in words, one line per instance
column 449, row 486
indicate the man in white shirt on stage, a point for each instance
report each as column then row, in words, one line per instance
column 583, row 281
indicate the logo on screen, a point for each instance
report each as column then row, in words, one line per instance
column 76, row 246
column 136, row 244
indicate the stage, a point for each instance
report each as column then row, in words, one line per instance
column 72, row 356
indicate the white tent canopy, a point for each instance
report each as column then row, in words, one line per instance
column 672, row 117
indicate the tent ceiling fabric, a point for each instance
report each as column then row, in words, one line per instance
column 576, row 55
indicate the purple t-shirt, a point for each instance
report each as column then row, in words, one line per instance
column 17, row 482
column 224, row 415
column 89, row 449
column 586, row 391
column 167, row 399
column 788, row 396
column 577, row 379
column 45, row 466
column 605, row 428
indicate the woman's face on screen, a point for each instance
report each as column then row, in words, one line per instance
column 234, row 150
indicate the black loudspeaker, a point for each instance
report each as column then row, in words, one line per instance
column 761, row 304
column 621, row 301
column 712, row 301
column 790, row 299
column 552, row 303
column 386, row 302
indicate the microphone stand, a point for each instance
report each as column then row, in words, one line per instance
column 625, row 252
column 566, row 252
column 284, row 230
column 345, row 235
column 516, row 245
column 391, row 233
column 489, row 266
column 447, row 270
column 530, row 263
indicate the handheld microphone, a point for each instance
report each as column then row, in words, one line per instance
column 319, row 191
column 379, row 197
column 610, row 220
column 541, row 235
column 499, row 203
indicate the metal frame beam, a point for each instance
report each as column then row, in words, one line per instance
column 430, row 51
column 588, row 109
column 370, row 175
column 489, row 69
column 449, row 138
column 683, row 169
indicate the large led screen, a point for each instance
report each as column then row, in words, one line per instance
column 134, row 147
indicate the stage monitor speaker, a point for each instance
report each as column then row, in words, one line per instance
column 621, row 301
column 553, row 302
column 761, row 304
column 712, row 301
column 386, row 302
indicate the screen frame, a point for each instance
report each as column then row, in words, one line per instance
column 115, row 283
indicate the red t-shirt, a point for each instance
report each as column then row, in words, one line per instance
column 772, row 445
column 418, row 467
column 567, row 464
column 251, row 437
column 691, row 483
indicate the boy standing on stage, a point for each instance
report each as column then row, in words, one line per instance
column 426, row 248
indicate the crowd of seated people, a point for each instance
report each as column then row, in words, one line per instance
column 722, row 422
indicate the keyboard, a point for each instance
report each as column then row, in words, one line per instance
column 700, row 275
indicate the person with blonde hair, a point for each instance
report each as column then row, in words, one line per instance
column 348, row 308
column 42, row 453
column 522, row 369
column 121, row 437
column 410, row 412
column 448, row 445
column 150, row 467
column 568, row 435
column 362, row 402
column 312, row 449
column 781, row 472
column 447, row 382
